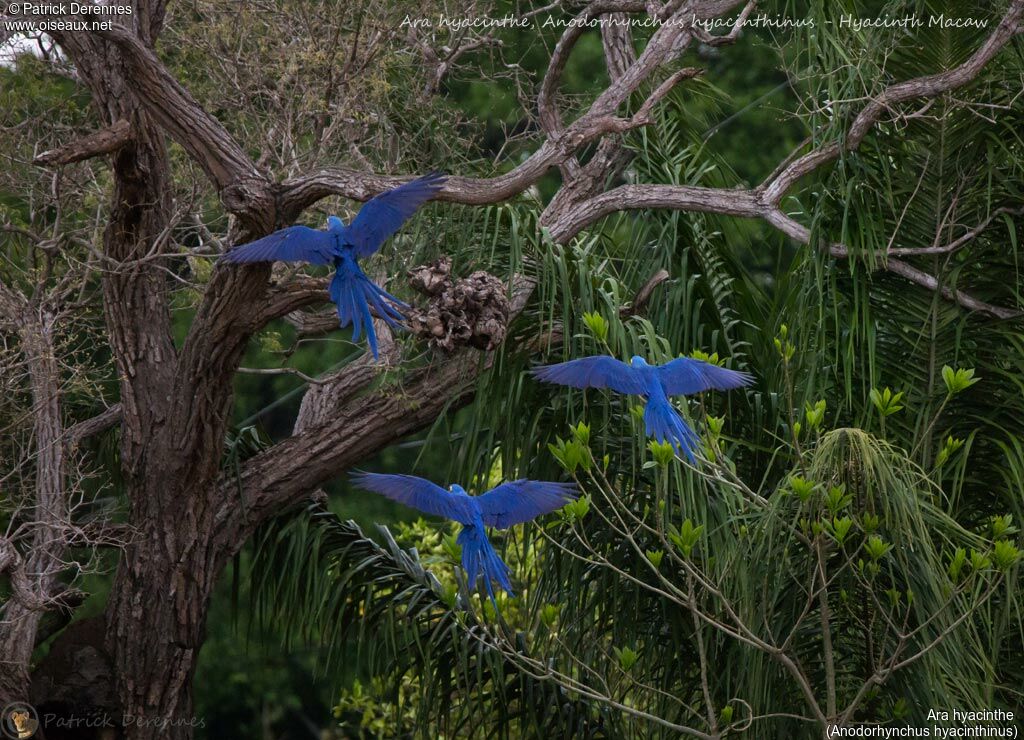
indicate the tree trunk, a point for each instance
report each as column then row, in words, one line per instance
column 17, row 636
column 156, row 613
column 35, row 581
column 156, row 626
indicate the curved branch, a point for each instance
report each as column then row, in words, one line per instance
column 929, row 86
column 600, row 119
column 744, row 203
column 802, row 234
column 960, row 242
column 547, row 111
column 357, row 427
column 763, row 202
column 282, row 300
column 96, row 425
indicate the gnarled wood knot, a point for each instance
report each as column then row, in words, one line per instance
column 471, row 312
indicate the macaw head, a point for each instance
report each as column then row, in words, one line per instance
column 335, row 224
column 457, row 489
column 638, row 361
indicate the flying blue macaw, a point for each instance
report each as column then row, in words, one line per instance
column 510, row 503
column 656, row 382
column 343, row 246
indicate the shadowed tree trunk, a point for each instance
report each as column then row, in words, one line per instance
column 34, row 579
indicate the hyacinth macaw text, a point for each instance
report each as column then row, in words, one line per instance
column 656, row 383
column 510, row 503
column 343, row 246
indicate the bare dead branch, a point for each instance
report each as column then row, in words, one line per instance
column 734, row 33
column 96, row 425
column 958, row 243
column 802, row 234
column 104, row 141
column 926, row 87
column 643, row 115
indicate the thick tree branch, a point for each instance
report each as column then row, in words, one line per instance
column 313, row 323
column 96, row 425
column 282, row 300
column 104, row 141
column 357, row 427
column 763, row 201
column 722, row 201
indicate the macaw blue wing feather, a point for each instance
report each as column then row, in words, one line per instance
column 418, row 493
column 522, row 500
column 599, row 371
column 294, row 244
column 383, row 215
column 686, row 375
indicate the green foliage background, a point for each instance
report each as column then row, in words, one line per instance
column 327, row 626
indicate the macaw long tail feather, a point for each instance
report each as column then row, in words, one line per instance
column 666, row 425
column 385, row 310
column 355, row 294
column 396, row 301
column 479, row 558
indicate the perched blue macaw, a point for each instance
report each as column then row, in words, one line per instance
column 342, row 246
column 656, row 382
column 510, row 503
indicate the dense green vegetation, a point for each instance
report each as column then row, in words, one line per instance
column 858, row 506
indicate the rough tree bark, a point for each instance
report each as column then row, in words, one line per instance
column 34, row 581
column 175, row 403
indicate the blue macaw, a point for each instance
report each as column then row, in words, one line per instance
column 656, row 382
column 342, row 246
column 510, row 503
